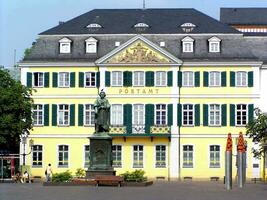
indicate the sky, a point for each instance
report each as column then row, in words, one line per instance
column 22, row 20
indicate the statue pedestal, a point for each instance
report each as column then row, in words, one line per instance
column 100, row 156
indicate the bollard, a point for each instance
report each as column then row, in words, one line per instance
column 240, row 181
column 228, row 163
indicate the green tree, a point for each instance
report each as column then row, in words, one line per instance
column 15, row 111
column 257, row 130
column 27, row 52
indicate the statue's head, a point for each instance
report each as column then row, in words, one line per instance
column 102, row 94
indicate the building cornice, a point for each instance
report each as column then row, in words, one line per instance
column 56, row 64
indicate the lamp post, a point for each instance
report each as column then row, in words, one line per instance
column 24, row 142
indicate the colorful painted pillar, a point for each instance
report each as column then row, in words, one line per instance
column 228, row 163
column 241, row 161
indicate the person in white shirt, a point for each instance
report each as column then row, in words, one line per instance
column 48, row 173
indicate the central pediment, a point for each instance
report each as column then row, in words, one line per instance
column 138, row 50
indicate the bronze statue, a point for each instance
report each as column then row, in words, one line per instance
column 102, row 114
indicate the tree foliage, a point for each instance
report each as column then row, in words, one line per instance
column 257, row 130
column 15, row 111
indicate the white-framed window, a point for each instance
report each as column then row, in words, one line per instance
column 160, row 156
column 63, row 155
column 188, row 115
column 116, row 155
column 90, row 79
column 162, row 44
column 141, row 25
column 63, row 79
column 94, row 25
column 63, row 114
column 241, row 114
column 214, row 115
column 117, row 44
column 188, row 44
column 241, row 79
column 188, row 79
column 116, row 115
column 138, row 114
column 91, row 45
column 215, row 79
column 214, row 156
column 37, row 155
column 38, row 79
column 65, row 45
column 138, row 156
column 214, row 45
column 86, row 156
column 38, row 114
column 188, row 156
column 139, row 78
column 161, row 114
column 161, row 79
column 116, row 78
column 89, row 115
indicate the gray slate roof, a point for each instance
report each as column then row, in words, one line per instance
column 244, row 16
column 122, row 21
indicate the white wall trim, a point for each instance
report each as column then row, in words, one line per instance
column 56, row 64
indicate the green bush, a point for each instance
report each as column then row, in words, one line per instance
column 80, row 173
column 135, row 176
column 62, row 177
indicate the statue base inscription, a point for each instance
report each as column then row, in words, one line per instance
column 100, row 156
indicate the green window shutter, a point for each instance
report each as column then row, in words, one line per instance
column 149, row 117
column 205, row 115
column 250, row 112
column 72, row 115
column 232, row 115
column 29, row 79
column 179, row 79
column 127, row 78
column 107, row 79
column 149, row 79
column 97, row 79
column 46, row 79
column 72, row 79
column 197, row 115
column 179, row 114
column 206, row 79
column 250, row 79
column 197, row 79
column 54, row 115
column 232, row 79
column 223, row 79
column 169, row 75
column 80, row 116
column 127, row 117
column 170, row 111
column 81, row 79
column 224, row 114
column 55, row 77
column 46, row 115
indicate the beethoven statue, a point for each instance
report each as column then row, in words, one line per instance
column 102, row 112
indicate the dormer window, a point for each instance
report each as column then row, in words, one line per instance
column 94, row 25
column 91, row 45
column 141, row 25
column 214, row 44
column 64, row 45
column 188, row 27
column 188, row 44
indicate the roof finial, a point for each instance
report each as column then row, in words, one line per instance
column 144, row 4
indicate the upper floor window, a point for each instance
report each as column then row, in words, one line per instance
column 241, row 78
column 64, row 79
column 161, row 114
column 38, row 114
column 141, row 25
column 241, row 114
column 91, row 45
column 63, row 114
column 64, row 45
column 161, row 79
column 116, row 78
column 188, row 44
column 188, row 115
column 139, row 78
column 188, row 79
column 215, row 79
column 116, row 114
column 89, row 114
column 117, row 44
column 94, row 25
column 38, row 79
column 90, row 79
column 188, row 27
column 214, row 44
column 214, row 115
column 162, row 44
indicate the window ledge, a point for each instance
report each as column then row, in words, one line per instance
column 38, row 125
column 188, row 125
column 64, row 166
column 37, row 166
column 215, row 126
column 89, row 86
column 92, row 125
column 63, row 86
column 63, row 125
column 37, row 86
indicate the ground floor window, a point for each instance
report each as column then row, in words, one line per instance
column 63, row 156
column 188, row 156
column 214, row 156
column 116, row 155
column 37, row 155
column 138, row 156
column 160, row 156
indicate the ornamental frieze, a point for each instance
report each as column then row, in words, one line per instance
column 138, row 54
